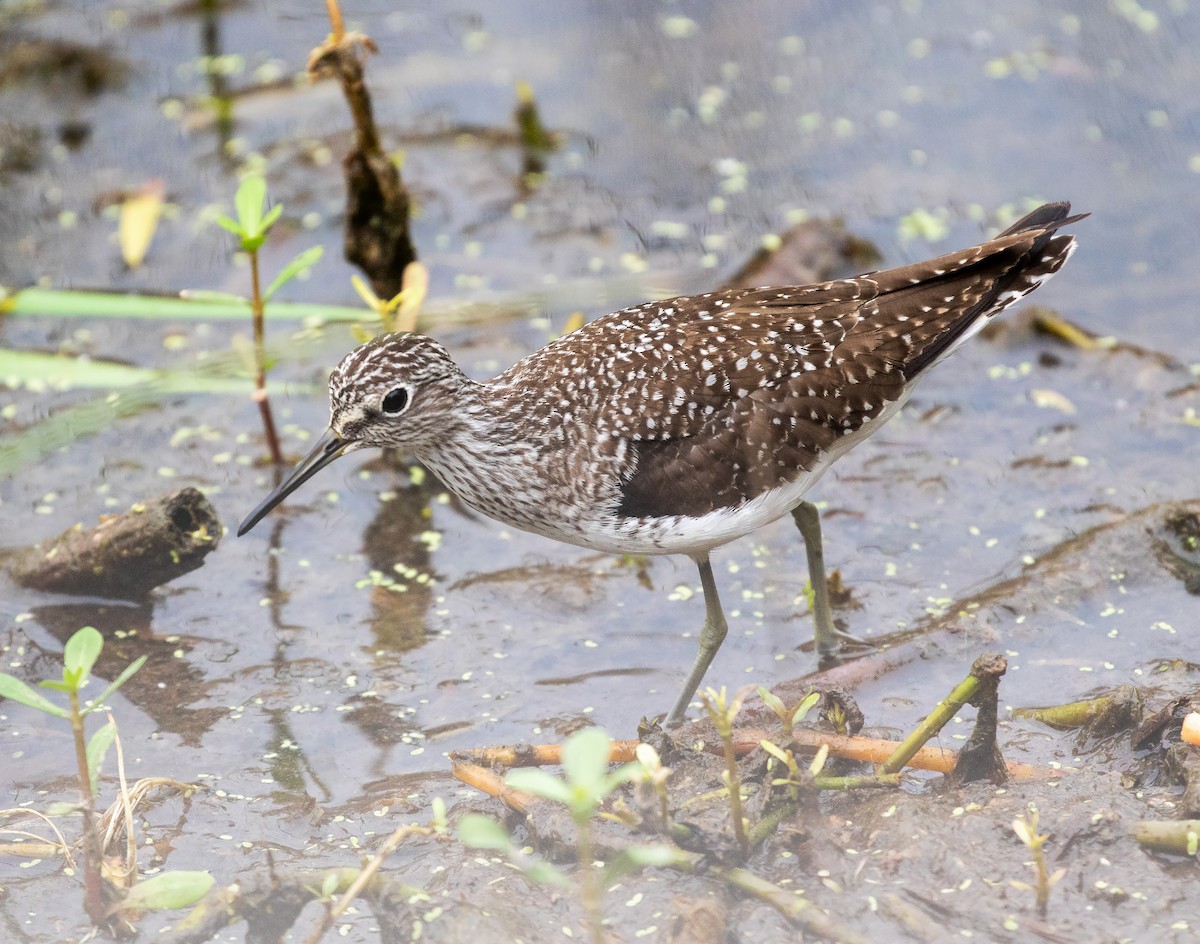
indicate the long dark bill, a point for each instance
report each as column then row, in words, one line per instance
column 328, row 448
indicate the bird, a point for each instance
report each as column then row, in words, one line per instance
column 677, row 426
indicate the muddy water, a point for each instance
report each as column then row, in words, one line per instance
column 282, row 674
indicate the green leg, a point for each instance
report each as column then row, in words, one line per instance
column 711, row 637
column 808, row 520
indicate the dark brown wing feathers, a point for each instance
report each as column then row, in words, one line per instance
column 824, row 361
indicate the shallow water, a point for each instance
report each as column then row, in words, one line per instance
column 690, row 134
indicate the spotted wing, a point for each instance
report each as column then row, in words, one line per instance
column 707, row 401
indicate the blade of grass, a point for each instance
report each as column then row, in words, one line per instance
column 19, row 368
column 64, row 303
column 23, row 448
column 606, row 293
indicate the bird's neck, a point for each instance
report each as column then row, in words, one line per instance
column 488, row 457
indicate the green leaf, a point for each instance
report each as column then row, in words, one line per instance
column 538, row 782
column 778, row 753
column 195, row 304
column 632, row 858
column 249, row 199
column 304, row 260
column 81, row 652
column 66, row 303
column 97, row 746
column 120, row 680
column 772, row 701
column 269, row 220
column 483, row 832
column 619, row 776
column 655, row 855
column 65, row 373
column 13, row 688
column 366, row 294
column 329, row 885
column 208, row 295
column 438, row 822
column 23, row 367
column 545, row 873
column 585, row 760
column 805, row 706
column 56, row 685
column 818, row 762
column 21, row 449
column 166, row 891
column 231, row 225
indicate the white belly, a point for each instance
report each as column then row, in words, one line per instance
column 696, row 536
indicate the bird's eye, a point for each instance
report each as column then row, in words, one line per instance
column 395, row 401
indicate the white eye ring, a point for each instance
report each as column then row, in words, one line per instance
column 395, row 401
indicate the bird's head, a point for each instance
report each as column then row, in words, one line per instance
column 399, row 390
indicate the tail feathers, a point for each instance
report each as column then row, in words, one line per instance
column 1048, row 217
column 1002, row 278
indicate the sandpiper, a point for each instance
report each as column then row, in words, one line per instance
column 676, row 426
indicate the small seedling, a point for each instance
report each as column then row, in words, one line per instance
column 251, row 228
column 168, row 890
column 1026, row 828
column 649, row 774
column 398, row 313
column 796, row 778
column 723, row 711
column 589, row 781
column 789, row 716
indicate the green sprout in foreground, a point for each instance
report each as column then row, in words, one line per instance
column 589, row 781
column 788, row 716
column 251, row 228
column 723, row 711
column 167, row 890
column 1026, row 828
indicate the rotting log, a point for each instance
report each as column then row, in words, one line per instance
column 377, row 237
column 126, row 555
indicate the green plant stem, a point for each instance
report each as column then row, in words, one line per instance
column 864, row 782
column 799, row 910
column 589, row 883
column 260, row 361
column 1043, row 879
column 735, row 791
column 1177, row 837
column 362, row 879
column 772, row 818
column 92, row 883
column 930, row 725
